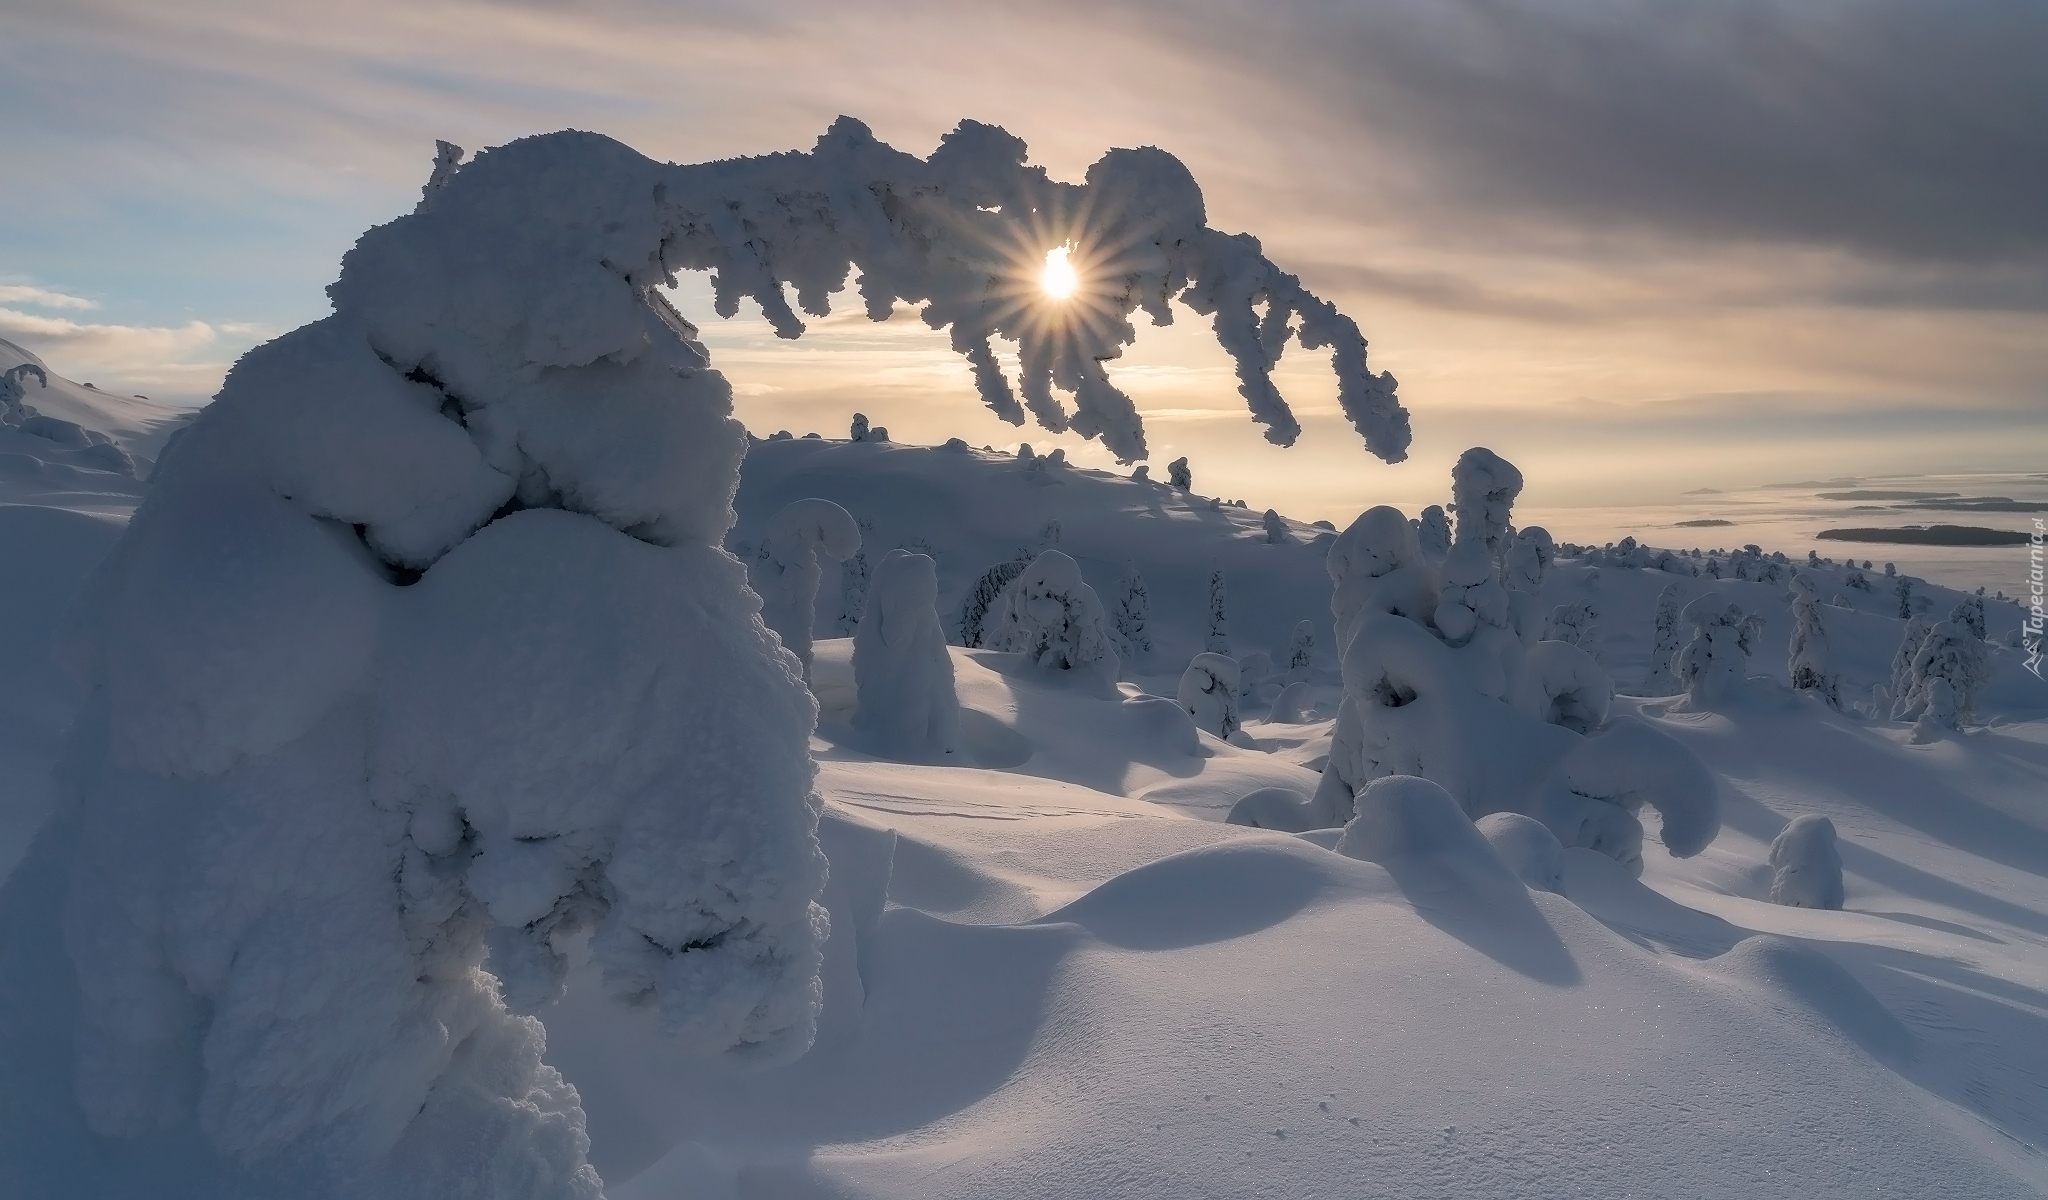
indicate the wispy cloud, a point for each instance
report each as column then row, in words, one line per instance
column 36, row 297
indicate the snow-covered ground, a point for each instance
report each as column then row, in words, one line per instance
column 1054, row 972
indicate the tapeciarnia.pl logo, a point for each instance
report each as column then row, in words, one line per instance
column 2036, row 617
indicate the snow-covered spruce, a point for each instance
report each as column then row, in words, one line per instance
column 1806, row 864
column 1208, row 693
column 1807, row 664
column 1433, row 533
column 1052, row 617
column 1219, row 615
column 1301, row 651
column 423, row 639
column 1574, row 623
column 1664, row 643
column 976, row 610
column 1277, row 532
column 908, row 708
column 1131, row 616
column 1714, row 662
column 788, row 576
column 1900, row 680
column 859, row 430
column 1483, row 488
column 1947, row 672
column 1178, row 475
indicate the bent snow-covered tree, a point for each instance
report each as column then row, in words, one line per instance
column 424, row 639
column 788, row 576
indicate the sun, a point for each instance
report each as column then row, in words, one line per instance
column 1058, row 279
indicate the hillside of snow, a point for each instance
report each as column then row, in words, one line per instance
column 1054, row 972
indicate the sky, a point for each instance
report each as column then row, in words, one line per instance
column 1636, row 247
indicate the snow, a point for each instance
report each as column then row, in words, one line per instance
column 438, row 815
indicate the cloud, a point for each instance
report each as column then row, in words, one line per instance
column 21, row 293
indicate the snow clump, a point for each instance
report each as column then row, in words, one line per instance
column 1806, row 864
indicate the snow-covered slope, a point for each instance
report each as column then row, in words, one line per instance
column 66, row 459
column 1054, row 973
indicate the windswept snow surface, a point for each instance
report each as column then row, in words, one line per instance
column 1054, row 973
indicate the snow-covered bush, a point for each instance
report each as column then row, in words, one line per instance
column 1947, row 672
column 1433, row 533
column 1277, row 532
column 788, row 576
column 1208, row 693
column 1178, row 475
column 1855, row 579
column 1528, row 559
column 1130, row 618
column 1806, row 864
column 1301, row 650
column 1142, row 473
column 982, row 598
column 1053, row 618
column 1715, row 661
column 422, row 640
column 908, row 708
column 1219, row 615
column 1900, row 681
column 1664, row 643
column 859, row 431
column 1807, row 666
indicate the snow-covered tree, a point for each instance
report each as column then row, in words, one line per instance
column 1947, row 672
column 1904, row 592
column 982, row 598
column 1142, row 473
column 1433, row 533
column 1900, row 681
column 1970, row 615
column 1484, row 486
column 1573, row 624
column 788, row 579
column 1277, row 532
column 1664, row 643
column 853, row 592
column 1713, row 664
column 1472, row 596
column 1806, row 864
column 1808, row 666
column 1301, row 650
column 505, row 416
column 859, row 431
column 1854, row 578
column 1049, row 535
column 1131, row 616
column 1054, row 619
column 14, row 407
column 1528, row 560
column 1178, row 475
column 908, row 708
column 1254, row 669
column 1208, row 693
column 1219, row 615
column 1891, row 570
